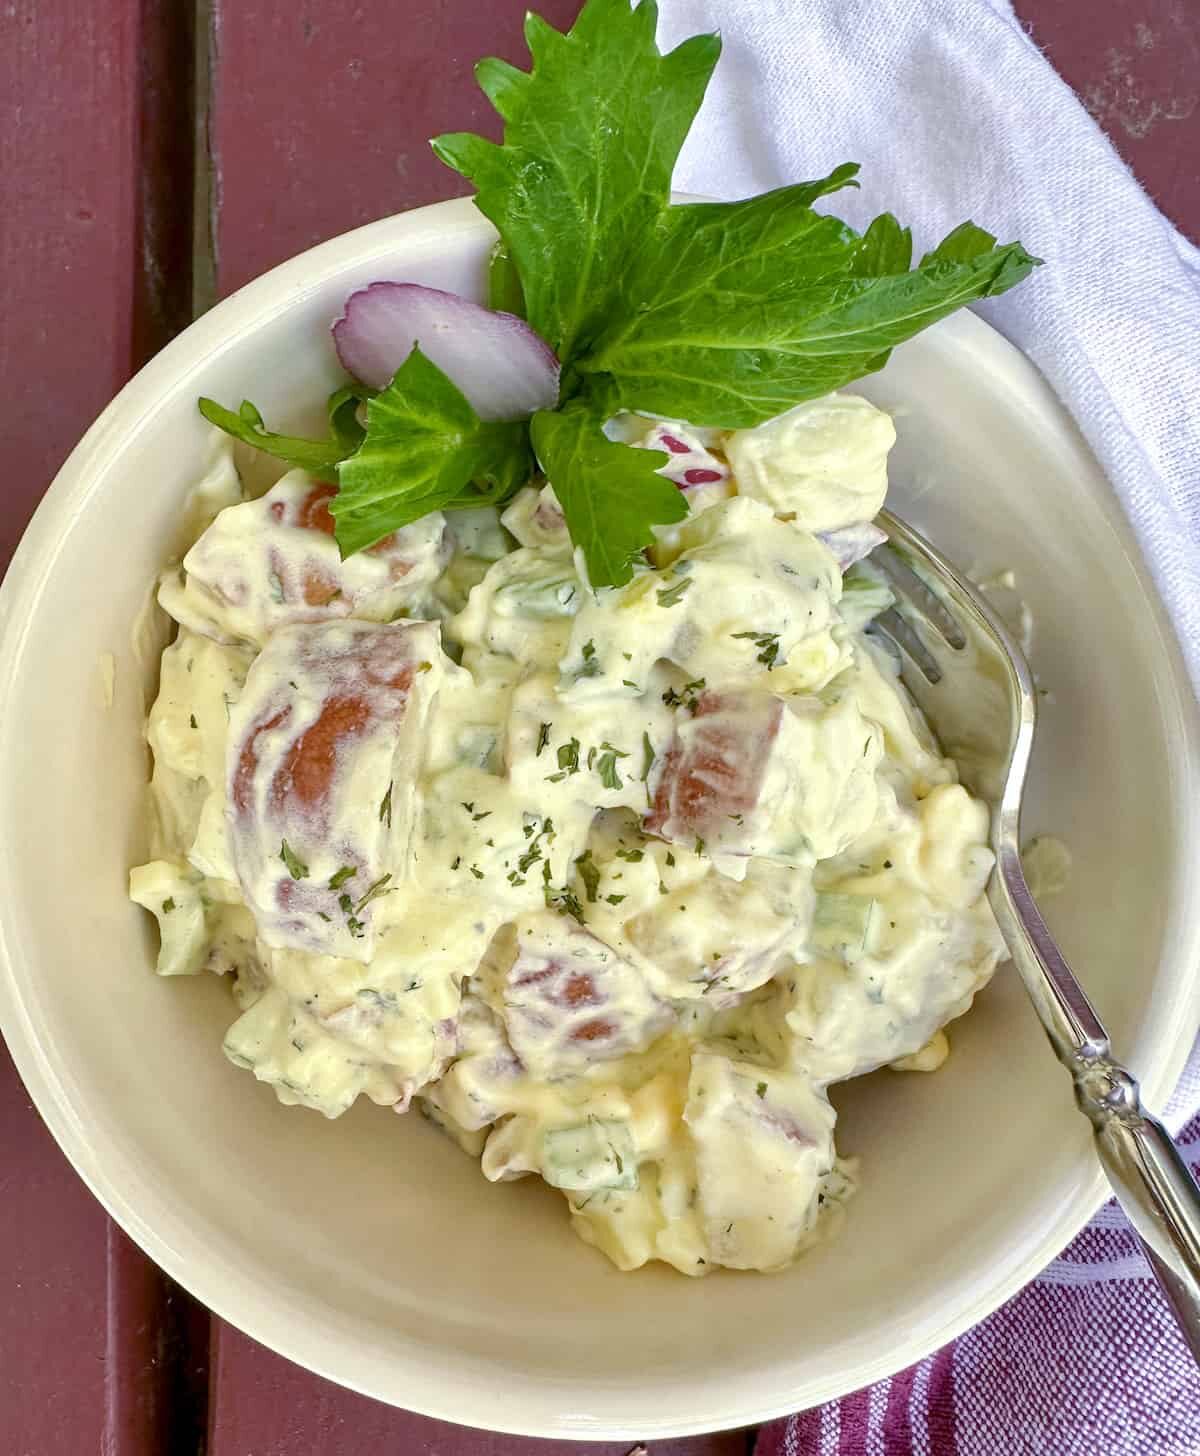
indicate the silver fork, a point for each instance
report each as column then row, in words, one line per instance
column 944, row 631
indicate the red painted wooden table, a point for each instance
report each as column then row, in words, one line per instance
column 155, row 154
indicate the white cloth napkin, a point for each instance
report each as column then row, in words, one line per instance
column 954, row 113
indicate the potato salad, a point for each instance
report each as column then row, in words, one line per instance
column 611, row 884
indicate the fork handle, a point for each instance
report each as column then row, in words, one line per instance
column 1152, row 1182
column 1160, row 1199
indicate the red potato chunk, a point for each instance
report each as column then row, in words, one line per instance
column 535, row 518
column 714, row 770
column 325, row 746
column 273, row 562
column 737, row 943
column 478, row 1089
column 753, row 776
column 763, row 1140
column 571, row 1001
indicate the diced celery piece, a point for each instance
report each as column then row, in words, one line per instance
column 469, row 1139
column 171, row 892
column 542, row 598
column 589, row 1157
column 478, row 532
column 476, row 744
column 864, row 595
column 302, row 1061
column 842, row 923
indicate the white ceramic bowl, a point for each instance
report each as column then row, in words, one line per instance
column 370, row 1249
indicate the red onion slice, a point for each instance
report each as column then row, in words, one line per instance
column 690, row 465
column 851, row 543
column 505, row 370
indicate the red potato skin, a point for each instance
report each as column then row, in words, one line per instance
column 247, row 763
column 718, row 773
column 274, row 561
column 578, row 989
column 566, row 1011
column 308, row 771
column 597, row 1030
column 292, row 767
column 314, row 515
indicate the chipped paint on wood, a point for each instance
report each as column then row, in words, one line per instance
column 1136, row 67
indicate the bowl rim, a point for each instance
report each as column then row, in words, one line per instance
column 222, row 329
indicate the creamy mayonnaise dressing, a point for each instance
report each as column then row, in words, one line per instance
column 615, row 883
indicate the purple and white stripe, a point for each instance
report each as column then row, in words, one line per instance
column 1085, row 1361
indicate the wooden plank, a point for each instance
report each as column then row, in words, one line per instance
column 66, row 239
column 322, row 111
column 94, row 1341
column 67, row 140
column 1135, row 64
column 265, row 1406
column 94, row 251
column 52, row 1283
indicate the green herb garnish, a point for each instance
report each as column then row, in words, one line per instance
column 687, row 696
column 319, row 457
column 565, row 901
column 295, row 867
column 767, row 644
column 723, row 312
column 568, row 756
column 533, row 852
column 606, row 765
column 339, row 877
column 425, row 449
column 373, row 892
column 353, row 924
column 589, row 873
column 613, row 522
column 591, row 663
column 670, row 596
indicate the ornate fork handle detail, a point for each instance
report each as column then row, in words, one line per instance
column 1105, row 1091
column 1155, row 1188
column 1149, row 1177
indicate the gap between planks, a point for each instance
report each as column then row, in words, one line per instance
column 157, row 1338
